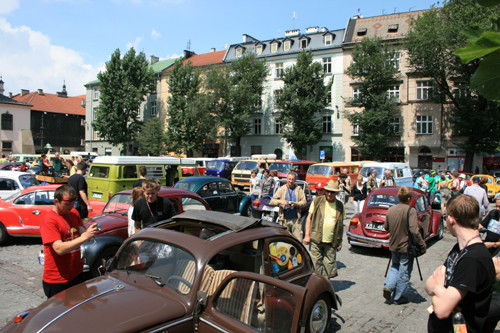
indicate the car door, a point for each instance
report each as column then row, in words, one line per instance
column 8, row 187
column 31, row 208
column 249, row 302
column 424, row 215
column 229, row 197
column 210, row 193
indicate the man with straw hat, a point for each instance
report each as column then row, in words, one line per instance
column 324, row 229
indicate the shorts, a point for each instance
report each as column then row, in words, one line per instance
column 445, row 195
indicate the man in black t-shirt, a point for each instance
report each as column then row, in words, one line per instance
column 77, row 181
column 464, row 283
column 143, row 172
column 151, row 208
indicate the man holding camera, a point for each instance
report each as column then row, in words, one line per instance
column 400, row 220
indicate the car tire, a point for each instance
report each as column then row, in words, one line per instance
column 440, row 231
column 319, row 315
column 247, row 209
column 105, row 254
column 3, row 234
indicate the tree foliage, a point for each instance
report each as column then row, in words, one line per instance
column 234, row 94
column 189, row 121
column 432, row 42
column 303, row 98
column 374, row 72
column 151, row 138
column 123, row 87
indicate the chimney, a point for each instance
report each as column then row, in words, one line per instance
column 212, row 49
column 294, row 32
column 188, row 54
column 324, row 29
column 40, row 92
column 63, row 93
column 24, row 92
column 1, row 86
column 10, row 94
column 312, row 30
column 153, row 60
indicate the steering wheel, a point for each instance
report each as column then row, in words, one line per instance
column 180, row 279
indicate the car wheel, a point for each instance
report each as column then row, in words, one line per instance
column 319, row 316
column 3, row 234
column 247, row 209
column 440, row 231
column 105, row 254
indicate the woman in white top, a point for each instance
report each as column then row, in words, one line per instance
column 137, row 193
column 255, row 185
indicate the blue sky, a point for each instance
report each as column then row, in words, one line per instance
column 43, row 42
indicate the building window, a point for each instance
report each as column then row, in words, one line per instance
column 356, row 93
column 327, row 124
column 394, row 125
column 257, row 124
column 259, row 49
column 396, row 60
column 393, row 93
column 274, row 47
column 94, row 114
column 355, row 129
column 424, row 124
column 303, row 43
column 6, row 146
column 328, row 40
column 155, row 87
column 153, row 109
column 255, row 150
column 362, row 32
column 424, row 90
column 239, row 52
column 327, row 65
column 279, row 70
column 287, row 45
column 277, row 126
column 393, row 28
column 95, row 91
column 7, row 121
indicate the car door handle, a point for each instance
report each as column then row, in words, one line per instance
column 36, row 212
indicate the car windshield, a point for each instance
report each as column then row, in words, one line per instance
column 118, row 203
column 366, row 171
column 281, row 167
column 28, row 180
column 186, row 186
column 216, row 165
column 324, row 170
column 382, row 200
column 246, row 165
column 164, row 263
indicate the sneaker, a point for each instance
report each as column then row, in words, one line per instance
column 401, row 300
column 387, row 293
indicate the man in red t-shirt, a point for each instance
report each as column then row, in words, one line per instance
column 62, row 234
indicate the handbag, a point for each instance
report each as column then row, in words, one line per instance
column 413, row 249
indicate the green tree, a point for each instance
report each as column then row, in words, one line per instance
column 189, row 122
column 304, row 96
column 124, row 86
column 151, row 138
column 433, row 39
column 374, row 72
column 235, row 94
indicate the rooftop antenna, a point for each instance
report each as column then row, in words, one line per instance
column 294, row 17
column 188, row 46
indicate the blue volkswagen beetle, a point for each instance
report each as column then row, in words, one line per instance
column 219, row 193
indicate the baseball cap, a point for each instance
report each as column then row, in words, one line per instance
column 320, row 186
column 462, row 176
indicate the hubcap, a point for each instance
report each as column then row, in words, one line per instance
column 319, row 317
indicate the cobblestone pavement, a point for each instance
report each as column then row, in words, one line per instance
column 359, row 284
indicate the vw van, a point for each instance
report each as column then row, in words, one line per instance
column 201, row 163
column 111, row 174
column 284, row 167
column 401, row 172
column 240, row 177
column 324, row 172
column 28, row 158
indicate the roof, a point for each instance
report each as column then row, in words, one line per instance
column 392, row 26
column 141, row 160
column 229, row 221
column 53, row 103
column 7, row 100
column 204, row 59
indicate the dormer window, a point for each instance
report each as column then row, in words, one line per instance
column 362, row 32
column 287, row 45
column 239, row 52
column 259, row 49
column 393, row 28
column 274, row 47
column 303, row 44
column 328, row 39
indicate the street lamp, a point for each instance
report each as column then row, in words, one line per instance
column 48, row 147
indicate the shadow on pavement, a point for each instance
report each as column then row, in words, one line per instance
column 12, row 241
column 339, row 285
column 368, row 251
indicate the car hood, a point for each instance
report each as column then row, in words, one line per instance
column 105, row 304
column 109, row 221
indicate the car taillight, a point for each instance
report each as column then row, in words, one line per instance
column 256, row 203
column 109, row 196
column 353, row 223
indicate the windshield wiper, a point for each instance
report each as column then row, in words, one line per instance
column 156, row 279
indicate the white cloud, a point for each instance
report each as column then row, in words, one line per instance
column 155, row 34
column 28, row 60
column 171, row 56
column 8, row 6
column 134, row 44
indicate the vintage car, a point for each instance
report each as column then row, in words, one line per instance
column 114, row 224
column 492, row 185
column 198, row 272
column 262, row 209
column 284, row 167
column 219, row 193
column 367, row 228
column 20, row 214
column 13, row 182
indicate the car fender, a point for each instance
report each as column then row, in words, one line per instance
column 243, row 203
column 317, row 286
column 436, row 219
column 92, row 249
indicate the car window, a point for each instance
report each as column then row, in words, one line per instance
column 27, row 199
column 366, row 171
column 226, row 188
column 99, row 171
column 130, row 171
column 28, row 180
column 420, row 204
column 7, row 184
column 354, row 169
column 337, row 171
column 192, row 204
column 242, row 257
column 263, row 307
column 186, row 186
column 246, row 165
column 118, row 203
column 44, row 198
column 382, row 200
column 399, row 173
column 154, row 171
column 284, row 257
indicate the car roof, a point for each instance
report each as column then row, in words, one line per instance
column 297, row 162
column 334, row 164
column 231, row 222
column 167, row 191
column 7, row 173
column 202, row 179
column 393, row 190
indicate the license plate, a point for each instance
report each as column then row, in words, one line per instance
column 271, row 208
column 267, row 218
column 241, row 184
column 375, row 226
column 97, row 195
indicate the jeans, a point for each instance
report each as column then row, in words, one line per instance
column 81, row 207
column 399, row 275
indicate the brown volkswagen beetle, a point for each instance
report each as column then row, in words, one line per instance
column 201, row 271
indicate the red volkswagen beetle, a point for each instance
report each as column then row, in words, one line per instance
column 367, row 228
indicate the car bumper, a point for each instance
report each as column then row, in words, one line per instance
column 366, row 241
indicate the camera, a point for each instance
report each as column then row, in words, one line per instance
column 99, row 227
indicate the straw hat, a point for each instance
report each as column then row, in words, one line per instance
column 332, row 186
